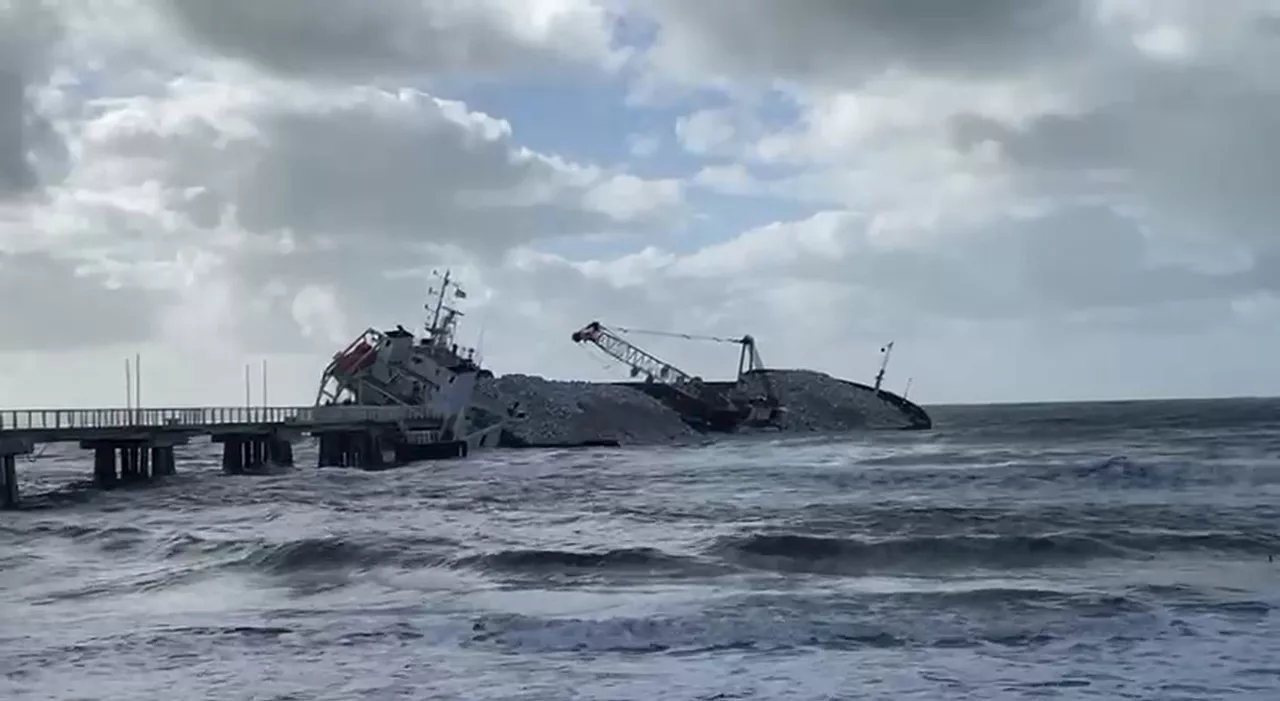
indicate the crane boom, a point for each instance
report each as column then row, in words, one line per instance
column 755, row 410
column 643, row 363
column 640, row 361
column 749, row 360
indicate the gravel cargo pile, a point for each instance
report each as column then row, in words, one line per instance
column 818, row 402
column 572, row 413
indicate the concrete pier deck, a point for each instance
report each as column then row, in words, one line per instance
column 138, row 444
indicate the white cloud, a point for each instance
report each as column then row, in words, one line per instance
column 706, row 131
column 1007, row 188
column 244, row 211
column 1101, row 165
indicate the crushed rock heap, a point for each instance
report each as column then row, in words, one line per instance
column 574, row 413
column 562, row 413
column 818, row 402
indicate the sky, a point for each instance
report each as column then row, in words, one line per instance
column 1035, row 199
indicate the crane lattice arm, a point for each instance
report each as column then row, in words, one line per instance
column 748, row 361
column 640, row 361
column 764, row 410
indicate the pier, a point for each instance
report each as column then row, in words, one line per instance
column 137, row 445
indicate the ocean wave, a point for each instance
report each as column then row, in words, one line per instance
column 1014, row 469
column 309, row 554
column 646, row 560
column 776, row 626
column 842, row 555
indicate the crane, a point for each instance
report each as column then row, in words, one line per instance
column 643, row 363
column 765, row 410
column 886, row 351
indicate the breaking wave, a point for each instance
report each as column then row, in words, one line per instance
column 836, row 555
column 649, row 560
column 313, row 553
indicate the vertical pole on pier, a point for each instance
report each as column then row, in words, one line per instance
column 128, row 385
column 248, row 401
column 264, row 383
column 137, row 380
column 8, row 481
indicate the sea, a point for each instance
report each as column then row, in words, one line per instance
column 1072, row 551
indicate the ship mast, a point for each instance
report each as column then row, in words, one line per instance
column 443, row 317
column 434, row 324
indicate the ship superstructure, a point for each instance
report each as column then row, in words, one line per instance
column 432, row 376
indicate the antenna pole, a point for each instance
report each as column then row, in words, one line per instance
column 137, row 380
column 264, row 383
column 128, row 385
column 248, row 402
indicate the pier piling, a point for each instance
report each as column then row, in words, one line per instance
column 104, row 467
column 9, row 482
column 362, row 448
column 243, row 453
column 163, row 463
column 117, row 462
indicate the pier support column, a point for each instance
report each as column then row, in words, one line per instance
column 162, row 461
column 280, row 451
column 135, row 463
column 128, row 464
column 9, row 482
column 371, row 450
column 104, row 467
column 130, row 460
column 233, row 456
column 351, row 449
column 330, row 450
column 247, row 452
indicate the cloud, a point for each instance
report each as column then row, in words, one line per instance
column 263, row 206
column 837, row 43
column 51, row 304
column 27, row 33
column 1098, row 166
column 1003, row 186
column 401, row 38
column 1021, row 121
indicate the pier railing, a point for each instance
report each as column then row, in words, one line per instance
column 204, row 417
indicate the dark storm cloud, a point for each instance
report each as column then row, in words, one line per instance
column 846, row 40
column 27, row 31
column 358, row 38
